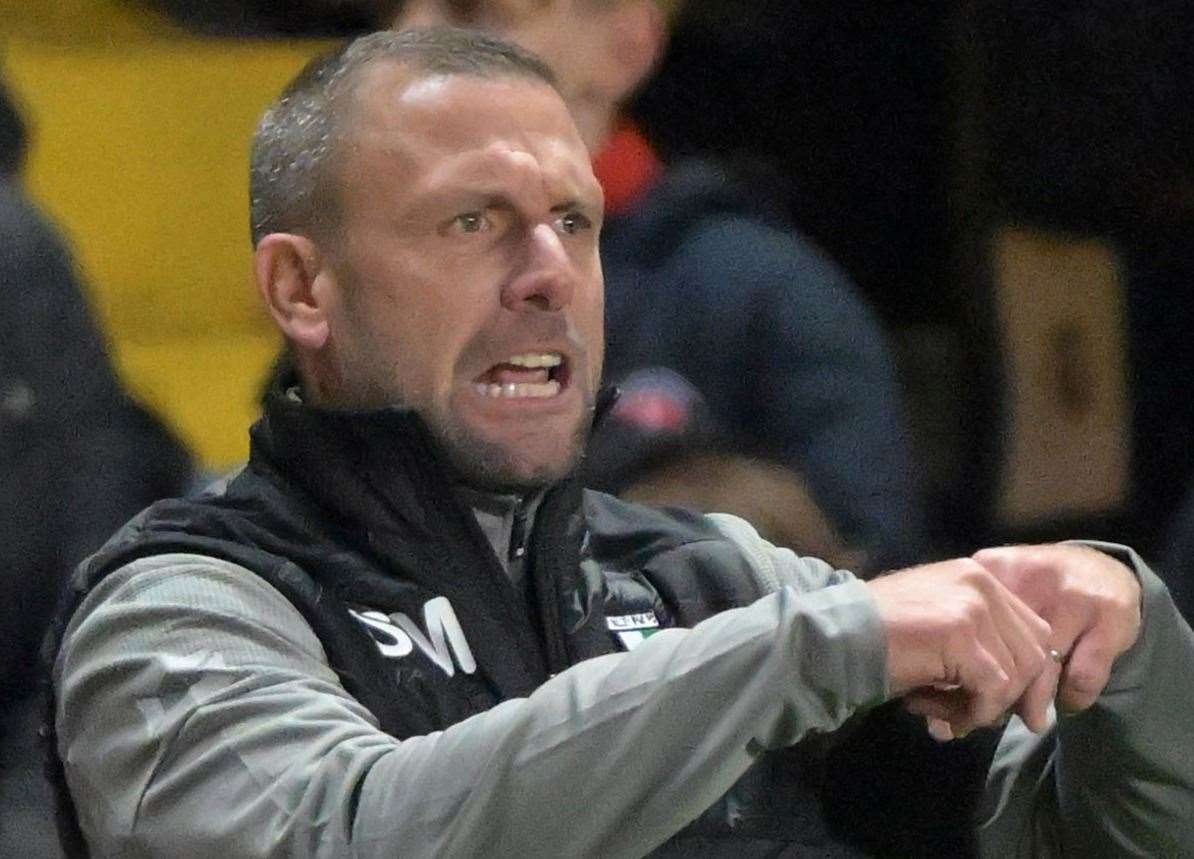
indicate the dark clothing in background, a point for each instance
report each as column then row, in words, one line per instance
column 1159, row 298
column 1177, row 561
column 76, row 459
column 14, row 139
column 77, row 456
column 1160, row 303
column 702, row 279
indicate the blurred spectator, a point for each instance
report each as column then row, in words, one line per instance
column 77, row 458
column 660, row 445
column 704, row 278
column 1177, row 560
column 12, row 139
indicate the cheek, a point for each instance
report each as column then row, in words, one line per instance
column 592, row 300
column 424, row 324
column 429, row 353
column 592, row 324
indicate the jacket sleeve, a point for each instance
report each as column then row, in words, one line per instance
column 197, row 716
column 1116, row 779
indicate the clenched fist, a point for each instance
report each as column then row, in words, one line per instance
column 1091, row 601
column 961, row 647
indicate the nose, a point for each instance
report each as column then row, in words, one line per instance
column 546, row 278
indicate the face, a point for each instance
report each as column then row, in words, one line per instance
column 576, row 38
column 466, row 269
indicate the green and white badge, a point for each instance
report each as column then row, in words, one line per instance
column 632, row 629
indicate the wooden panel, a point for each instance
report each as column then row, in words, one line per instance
column 1067, row 447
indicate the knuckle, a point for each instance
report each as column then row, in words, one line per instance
column 1041, row 629
column 1036, row 661
column 1086, row 682
column 986, row 557
column 1071, row 593
column 1125, row 605
column 1097, row 659
column 971, row 570
column 1107, row 608
column 988, row 710
column 970, row 612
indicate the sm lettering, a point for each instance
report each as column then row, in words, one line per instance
column 444, row 643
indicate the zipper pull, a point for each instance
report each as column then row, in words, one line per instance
column 518, row 533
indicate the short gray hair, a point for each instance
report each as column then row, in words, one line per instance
column 289, row 182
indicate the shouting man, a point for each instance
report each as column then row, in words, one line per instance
column 404, row 630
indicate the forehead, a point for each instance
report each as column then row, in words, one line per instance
column 417, row 123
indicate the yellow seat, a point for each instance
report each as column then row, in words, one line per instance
column 140, row 154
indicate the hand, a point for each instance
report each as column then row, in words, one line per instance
column 1091, row 601
column 961, row 646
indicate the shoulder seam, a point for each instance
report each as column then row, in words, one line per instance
column 762, row 567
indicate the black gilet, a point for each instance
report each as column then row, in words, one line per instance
column 336, row 509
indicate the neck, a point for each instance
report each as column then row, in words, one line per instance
column 507, row 522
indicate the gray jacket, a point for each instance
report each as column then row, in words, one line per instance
column 198, row 716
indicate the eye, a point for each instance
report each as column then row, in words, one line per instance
column 574, row 222
column 470, row 222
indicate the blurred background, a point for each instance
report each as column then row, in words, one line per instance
column 1010, row 184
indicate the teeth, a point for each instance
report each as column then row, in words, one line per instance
column 511, row 390
column 551, row 359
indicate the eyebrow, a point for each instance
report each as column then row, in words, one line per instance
column 493, row 198
column 575, row 203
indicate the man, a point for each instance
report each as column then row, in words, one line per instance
column 403, row 629
column 703, row 278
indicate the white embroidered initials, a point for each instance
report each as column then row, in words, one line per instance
column 397, row 635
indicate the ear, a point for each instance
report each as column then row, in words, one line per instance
column 638, row 38
column 296, row 287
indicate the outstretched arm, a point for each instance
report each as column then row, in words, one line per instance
column 198, row 716
column 197, row 712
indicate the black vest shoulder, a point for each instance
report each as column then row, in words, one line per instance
column 354, row 534
column 351, row 519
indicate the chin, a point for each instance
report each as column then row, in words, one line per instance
column 501, row 467
column 505, row 453
column 511, row 477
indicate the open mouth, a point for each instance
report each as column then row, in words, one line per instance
column 534, row 375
